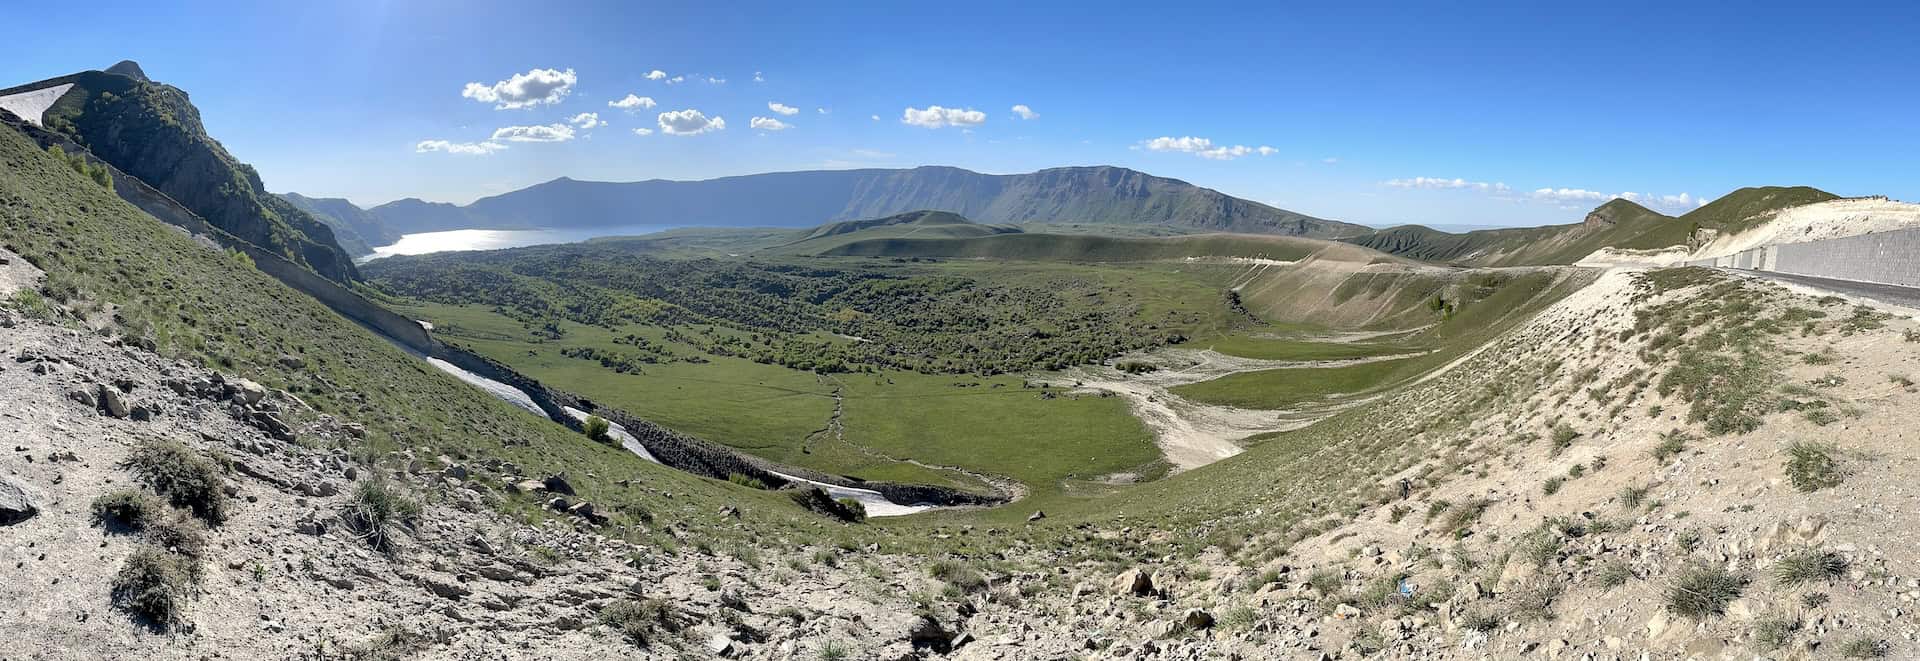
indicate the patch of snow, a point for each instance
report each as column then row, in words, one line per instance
column 506, row 392
column 875, row 502
column 615, row 430
column 31, row 105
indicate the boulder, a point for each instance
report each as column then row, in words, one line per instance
column 246, row 392
column 292, row 362
column 16, row 503
column 113, row 403
column 1134, row 582
column 1196, row 619
column 1036, row 516
column 558, row 484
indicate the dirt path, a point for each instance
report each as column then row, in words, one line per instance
column 1190, row 434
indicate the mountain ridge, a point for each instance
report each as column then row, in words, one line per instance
column 1089, row 194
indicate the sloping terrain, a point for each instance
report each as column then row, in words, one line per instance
column 151, row 131
column 1618, row 224
column 913, row 224
column 1097, row 195
column 1086, row 247
column 358, row 232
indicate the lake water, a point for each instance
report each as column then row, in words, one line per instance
column 429, row 242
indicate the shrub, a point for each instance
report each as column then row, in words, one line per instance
column 640, row 619
column 958, row 575
column 375, row 508
column 1772, row 633
column 1539, row 545
column 1562, row 437
column 1632, row 497
column 1808, row 565
column 181, row 535
column 1814, row 599
column 856, row 512
column 1672, row 443
column 153, row 584
column 1534, row 601
column 1239, row 617
column 1326, row 581
column 833, row 650
column 1702, row 591
column 1552, row 485
column 746, row 481
column 1822, row 416
column 183, row 476
column 1864, row 647
column 1614, row 573
column 125, row 508
column 1811, row 466
column 597, row 427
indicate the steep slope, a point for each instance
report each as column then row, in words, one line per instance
column 1087, row 247
column 357, row 230
column 913, row 224
column 1100, row 194
column 1740, row 210
column 151, row 131
column 1618, row 223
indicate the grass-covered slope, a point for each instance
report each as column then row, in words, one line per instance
column 1740, row 210
column 913, row 224
column 152, row 131
column 148, row 281
column 1616, row 224
column 1087, row 247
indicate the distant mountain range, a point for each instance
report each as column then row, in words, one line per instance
column 1091, row 195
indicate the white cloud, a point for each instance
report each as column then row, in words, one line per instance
column 676, row 80
column 1024, row 112
column 689, row 122
column 1330, row 160
column 1204, row 148
column 823, row 111
column 463, row 148
column 1441, row 183
column 524, row 90
column 934, row 117
column 768, row 124
column 539, row 133
column 643, row 132
column 1570, row 195
column 1681, row 202
column 872, row 153
column 656, row 74
column 633, row 103
column 716, row 81
column 782, row 108
column 759, row 78
column 586, row 120
column 876, row 118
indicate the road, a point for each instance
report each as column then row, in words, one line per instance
column 1908, row 297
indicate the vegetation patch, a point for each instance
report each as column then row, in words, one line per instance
column 187, row 479
column 1811, row 466
column 128, row 509
column 153, row 585
column 376, row 509
column 1703, row 591
column 1807, row 566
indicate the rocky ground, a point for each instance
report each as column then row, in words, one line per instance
column 1562, row 518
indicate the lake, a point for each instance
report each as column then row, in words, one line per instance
column 429, row 242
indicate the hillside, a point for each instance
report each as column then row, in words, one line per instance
column 1086, row 247
column 151, row 131
column 1101, row 194
column 1619, row 224
column 913, row 224
column 357, row 231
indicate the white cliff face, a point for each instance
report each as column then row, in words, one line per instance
column 32, row 105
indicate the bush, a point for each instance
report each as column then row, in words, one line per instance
column 746, row 481
column 1614, row 573
column 153, row 584
column 181, row 535
column 183, row 476
column 856, row 512
column 1632, row 497
column 1672, row 443
column 958, row 575
column 1702, row 591
column 1552, row 485
column 374, row 508
column 1811, row 466
column 1808, row 565
column 1326, row 581
column 597, row 427
column 640, row 619
column 1562, row 437
column 1773, row 633
column 1864, row 647
column 126, row 508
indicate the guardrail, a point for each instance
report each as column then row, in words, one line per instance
column 1887, row 258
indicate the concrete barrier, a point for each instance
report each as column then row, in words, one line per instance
column 1887, row 258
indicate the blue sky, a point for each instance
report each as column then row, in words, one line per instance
column 1374, row 113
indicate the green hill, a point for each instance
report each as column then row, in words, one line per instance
column 151, row 131
column 1740, row 210
column 913, row 224
column 1087, row 247
column 1617, row 224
